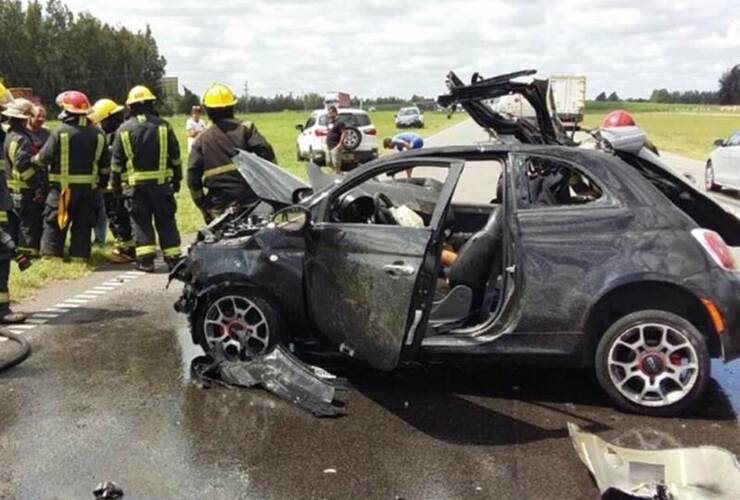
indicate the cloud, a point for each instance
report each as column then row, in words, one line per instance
column 380, row 47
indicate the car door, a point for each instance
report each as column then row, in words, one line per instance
column 304, row 137
column 368, row 285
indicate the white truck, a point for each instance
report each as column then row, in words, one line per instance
column 568, row 98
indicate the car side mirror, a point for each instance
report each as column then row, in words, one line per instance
column 299, row 127
column 301, row 194
column 293, row 219
column 719, row 142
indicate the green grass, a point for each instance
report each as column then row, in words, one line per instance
column 688, row 130
column 278, row 128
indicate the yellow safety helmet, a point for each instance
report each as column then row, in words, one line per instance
column 5, row 96
column 139, row 93
column 218, row 95
column 103, row 108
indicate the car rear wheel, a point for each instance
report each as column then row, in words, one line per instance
column 653, row 363
column 241, row 320
column 709, row 178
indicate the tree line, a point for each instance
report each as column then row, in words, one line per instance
column 728, row 92
column 50, row 49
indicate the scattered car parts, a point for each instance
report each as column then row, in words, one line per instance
column 279, row 372
column 700, row 473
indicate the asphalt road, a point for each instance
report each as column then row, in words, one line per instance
column 107, row 396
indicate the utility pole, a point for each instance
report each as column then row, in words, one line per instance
column 245, row 94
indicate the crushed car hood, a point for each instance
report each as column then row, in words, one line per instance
column 271, row 183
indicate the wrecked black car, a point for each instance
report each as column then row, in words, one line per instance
column 599, row 258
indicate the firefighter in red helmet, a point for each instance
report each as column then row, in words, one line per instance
column 78, row 163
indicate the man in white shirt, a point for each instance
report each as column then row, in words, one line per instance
column 194, row 126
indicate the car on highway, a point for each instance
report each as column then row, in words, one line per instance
column 360, row 143
column 723, row 165
column 409, row 117
column 590, row 258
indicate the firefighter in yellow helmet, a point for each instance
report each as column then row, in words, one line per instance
column 210, row 163
column 108, row 116
column 16, row 151
column 25, row 180
column 78, row 164
column 148, row 171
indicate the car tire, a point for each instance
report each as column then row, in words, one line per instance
column 653, row 363
column 709, row 182
column 352, row 138
column 235, row 309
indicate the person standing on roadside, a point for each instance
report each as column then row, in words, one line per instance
column 24, row 178
column 8, row 219
column 210, row 163
column 108, row 116
column 146, row 158
column 334, row 139
column 194, row 126
column 78, row 165
column 39, row 133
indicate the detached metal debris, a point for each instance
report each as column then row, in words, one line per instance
column 279, row 372
column 704, row 472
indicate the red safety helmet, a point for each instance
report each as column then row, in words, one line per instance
column 618, row 118
column 74, row 102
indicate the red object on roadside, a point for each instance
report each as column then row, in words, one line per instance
column 74, row 102
column 618, row 118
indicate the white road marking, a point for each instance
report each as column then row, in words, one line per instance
column 77, row 301
column 37, row 321
column 95, row 293
column 20, row 327
column 85, row 296
column 56, row 310
column 69, row 306
column 103, row 288
column 46, row 315
column 135, row 273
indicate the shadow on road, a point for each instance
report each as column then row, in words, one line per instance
column 87, row 315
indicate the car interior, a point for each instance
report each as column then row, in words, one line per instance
column 470, row 281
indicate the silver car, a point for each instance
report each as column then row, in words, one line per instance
column 409, row 117
column 723, row 165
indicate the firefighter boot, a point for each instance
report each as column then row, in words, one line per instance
column 145, row 263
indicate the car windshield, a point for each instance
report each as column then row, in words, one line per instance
column 349, row 119
column 409, row 112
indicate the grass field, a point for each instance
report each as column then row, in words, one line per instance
column 279, row 128
column 688, row 130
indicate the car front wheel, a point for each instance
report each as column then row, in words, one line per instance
column 709, row 178
column 241, row 320
column 653, row 363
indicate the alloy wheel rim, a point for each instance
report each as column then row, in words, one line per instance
column 653, row 364
column 351, row 139
column 238, row 325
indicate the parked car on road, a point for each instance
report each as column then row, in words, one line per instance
column 409, row 117
column 723, row 165
column 361, row 139
column 593, row 258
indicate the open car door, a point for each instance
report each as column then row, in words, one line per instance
column 368, row 285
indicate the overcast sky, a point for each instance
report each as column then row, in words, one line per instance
column 372, row 48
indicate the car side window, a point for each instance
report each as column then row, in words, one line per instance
column 396, row 200
column 323, row 120
column 734, row 140
column 547, row 182
column 310, row 123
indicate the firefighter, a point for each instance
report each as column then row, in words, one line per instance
column 24, row 178
column 8, row 220
column 108, row 115
column 78, row 163
column 210, row 163
column 146, row 158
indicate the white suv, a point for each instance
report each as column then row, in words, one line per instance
column 359, row 147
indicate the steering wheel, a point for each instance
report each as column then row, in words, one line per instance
column 383, row 205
